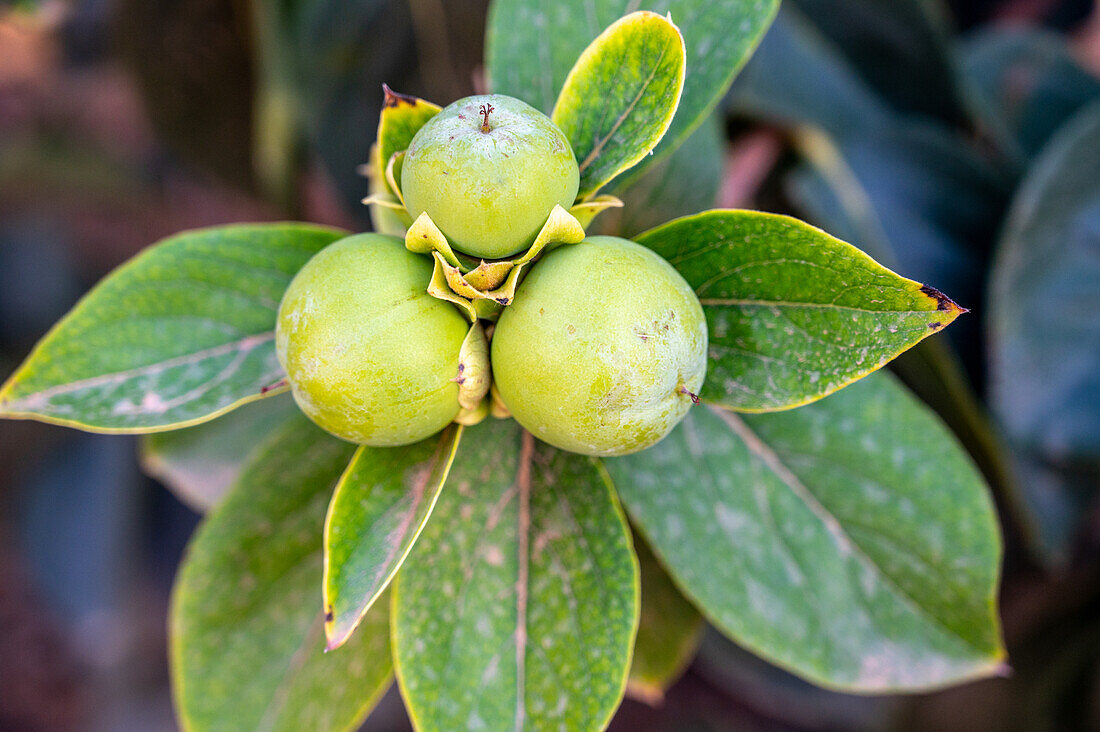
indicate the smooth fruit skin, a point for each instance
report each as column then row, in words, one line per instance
column 602, row 348
column 369, row 354
column 489, row 192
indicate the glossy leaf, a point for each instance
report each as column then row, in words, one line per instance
column 793, row 313
column 619, row 98
column 200, row 464
column 247, row 632
column 530, row 48
column 685, row 182
column 178, row 335
column 518, row 605
column 668, row 632
column 377, row 512
column 1044, row 331
column 851, row 541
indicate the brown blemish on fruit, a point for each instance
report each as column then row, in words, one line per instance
column 460, row 379
column 393, row 99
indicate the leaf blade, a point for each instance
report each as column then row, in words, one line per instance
column 246, row 634
column 544, row 637
column 525, row 60
column 863, row 503
column 669, row 632
column 379, row 507
column 176, row 336
column 636, row 69
column 794, row 314
column 200, row 464
column 1042, row 301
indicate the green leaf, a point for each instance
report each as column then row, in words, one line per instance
column 685, row 182
column 378, row 510
column 775, row 84
column 1043, row 304
column 851, row 542
column 793, row 313
column 247, row 632
column 530, row 48
column 619, row 98
column 201, row 463
column 402, row 117
column 902, row 49
column 519, row 604
column 1024, row 83
column 668, row 632
column 176, row 336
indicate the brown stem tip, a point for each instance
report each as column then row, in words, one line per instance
column 485, row 110
column 693, row 395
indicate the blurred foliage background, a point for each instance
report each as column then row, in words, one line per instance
column 957, row 141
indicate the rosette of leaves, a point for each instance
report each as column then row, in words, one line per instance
column 850, row 541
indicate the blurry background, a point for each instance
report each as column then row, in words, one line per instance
column 944, row 138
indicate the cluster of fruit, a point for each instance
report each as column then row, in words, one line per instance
column 601, row 351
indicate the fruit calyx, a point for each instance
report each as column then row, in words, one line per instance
column 481, row 288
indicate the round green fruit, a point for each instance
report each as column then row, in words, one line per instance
column 488, row 170
column 603, row 349
column 370, row 356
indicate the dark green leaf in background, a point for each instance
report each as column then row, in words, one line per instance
column 668, row 632
column 793, row 313
column 247, row 633
column 1024, row 84
column 530, row 48
column 1044, row 306
column 775, row 85
column 178, row 335
column 850, row 541
column 900, row 48
column 517, row 608
column 200, row 464
column 619, row 98
column 378, row 510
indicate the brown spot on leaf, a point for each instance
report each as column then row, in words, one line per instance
column 329, row 615
column 393, row 99
column 943, row 302
column 935, row 325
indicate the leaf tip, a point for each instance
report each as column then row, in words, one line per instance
column 943, row 302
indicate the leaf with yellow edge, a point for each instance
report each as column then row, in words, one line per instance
column 378, row 510
column 402, row 117
column 176, row 336
column 619, row 99
column 793, row 314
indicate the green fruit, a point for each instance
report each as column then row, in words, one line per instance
column 603, row 349
column 488, row 170
column 369, row 355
